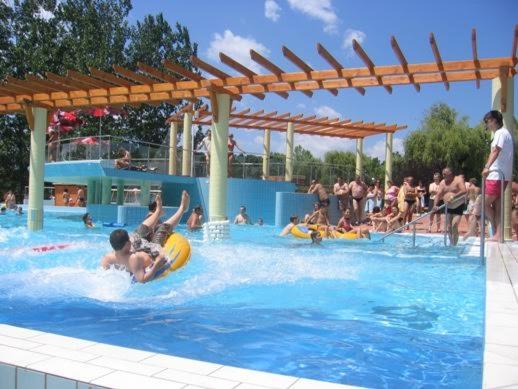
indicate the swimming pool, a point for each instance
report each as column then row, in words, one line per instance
column 360, row 313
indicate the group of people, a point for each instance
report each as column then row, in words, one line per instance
column 9, row 199
column 80, row 200
column 231, row 145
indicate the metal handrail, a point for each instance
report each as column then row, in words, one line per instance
column 501, row 176
column 412, row 223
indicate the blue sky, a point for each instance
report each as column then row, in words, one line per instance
column 265, row 25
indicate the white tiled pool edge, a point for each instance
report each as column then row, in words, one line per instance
column 501, row 322
column 40, row 360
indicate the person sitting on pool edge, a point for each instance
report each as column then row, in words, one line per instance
column 294, row 220
column 143, row 258
column 87, row 220
column 242, row 217
column 195, row 220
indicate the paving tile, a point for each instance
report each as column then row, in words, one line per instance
column 15, row 356
column 18, row 342
column 70, row 369
column 28, row 379
column 254, row 377
column 84, row 385
column 304, row 383
column 124, row 380
column 127, row 354
column 500, row 376
column 62, row 341
column 197, row 379
column 250, row 386
column 495, row 353
column 184, row 364
column 54, row 382
column 74, row 355
column 131, row 367
column 18, row 332
column 7, row 376
column 502, row 319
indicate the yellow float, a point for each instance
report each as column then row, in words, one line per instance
column 304, row 231
column 178, row 251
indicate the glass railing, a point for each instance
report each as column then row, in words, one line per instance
column 151, row 157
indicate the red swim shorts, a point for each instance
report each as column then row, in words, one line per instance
column 493, row 187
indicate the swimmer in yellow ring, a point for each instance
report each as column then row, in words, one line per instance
column 143, row 258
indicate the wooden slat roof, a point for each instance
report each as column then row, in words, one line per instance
column 175, row 83
column 309, row 125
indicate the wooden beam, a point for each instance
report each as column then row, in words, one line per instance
column 78, row 85
column 159, row 75
column 182, row 71
column 503, row 88
column 93, row 82
column 403, row 62
column 475, row 55
column 133, row 76
column 29, row 116
column 218, row 89
column 21, row 85
column 47, row 85
column 515, row 45
column 370, row 65
column 324, row 53
column 108, row 77
column 244, row 70
column 265, row 63
column 438, row 60
column 297, row 61
column 214, row 105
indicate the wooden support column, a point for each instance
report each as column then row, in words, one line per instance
column 359, row 156
column 90, row 191
column 502, row 99
column 288, row 177
column 219, row 159
column 106, row 191
column 187, row 144
column 173, row 134
column 266, row 154
column 388, row 158
column 36, row 169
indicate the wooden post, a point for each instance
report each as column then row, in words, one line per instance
column 187, row 144
column 219, row 160
column 288, row 177
column 36, row 170
column 173, row 134
column 359, row 156
column 388, row 158
column 106, row 191
column 503, row 87
column 266, row 154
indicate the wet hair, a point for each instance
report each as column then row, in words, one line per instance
column 198, row 209
column 315, row 237
column 376, row 209
column 242, row 207
column 85, row 216
column 152, row 206
column 65, row 190
column 293, row 218
column 118, row 238
column 495, row 115
column 473, row 181
column 3, row 209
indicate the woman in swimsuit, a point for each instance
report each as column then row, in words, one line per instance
column 231, row 144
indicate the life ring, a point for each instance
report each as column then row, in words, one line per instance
column 178, row 251
column 301, row 231
column 112, row 224
column 349, row 235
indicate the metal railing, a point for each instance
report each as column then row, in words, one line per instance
column 413, row 224
column 501, row 177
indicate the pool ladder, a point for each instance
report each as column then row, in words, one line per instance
column 413, row 224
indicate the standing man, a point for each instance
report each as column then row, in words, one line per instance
column 358, row 191
column 317, row 188
column 452, row 190
column 341, row 191
column 500, row 158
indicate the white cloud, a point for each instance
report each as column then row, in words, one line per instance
column 237, row 47
column 378, row 149
column 44, row 14
column 272, row 10
column 318, row 9
column 320, row 145
column 326, row 111
column 351, row 34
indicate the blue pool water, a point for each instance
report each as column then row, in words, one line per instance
column 361, row 313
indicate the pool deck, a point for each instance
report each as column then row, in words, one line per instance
column 40, row 360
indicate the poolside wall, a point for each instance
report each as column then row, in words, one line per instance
column 125, row 214
column 289, row 203
column 257, row 195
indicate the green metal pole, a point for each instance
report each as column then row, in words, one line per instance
column 288, row 176
column 187, row 144
column 90, row 191
column 144, row 193
column 219, row 161
column 120, row 193
column 36, row 170
column 106, row 196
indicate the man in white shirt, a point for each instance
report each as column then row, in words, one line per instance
column 501, row 158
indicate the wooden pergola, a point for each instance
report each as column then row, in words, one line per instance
column 38, row 93
column 304, row 125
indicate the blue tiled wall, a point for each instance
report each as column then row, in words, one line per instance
column 103, row 213
column 289, row 203
column 126, row 214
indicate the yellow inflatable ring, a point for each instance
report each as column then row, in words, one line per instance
column 301, row 231
column 350, row 235
column 178, row 251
